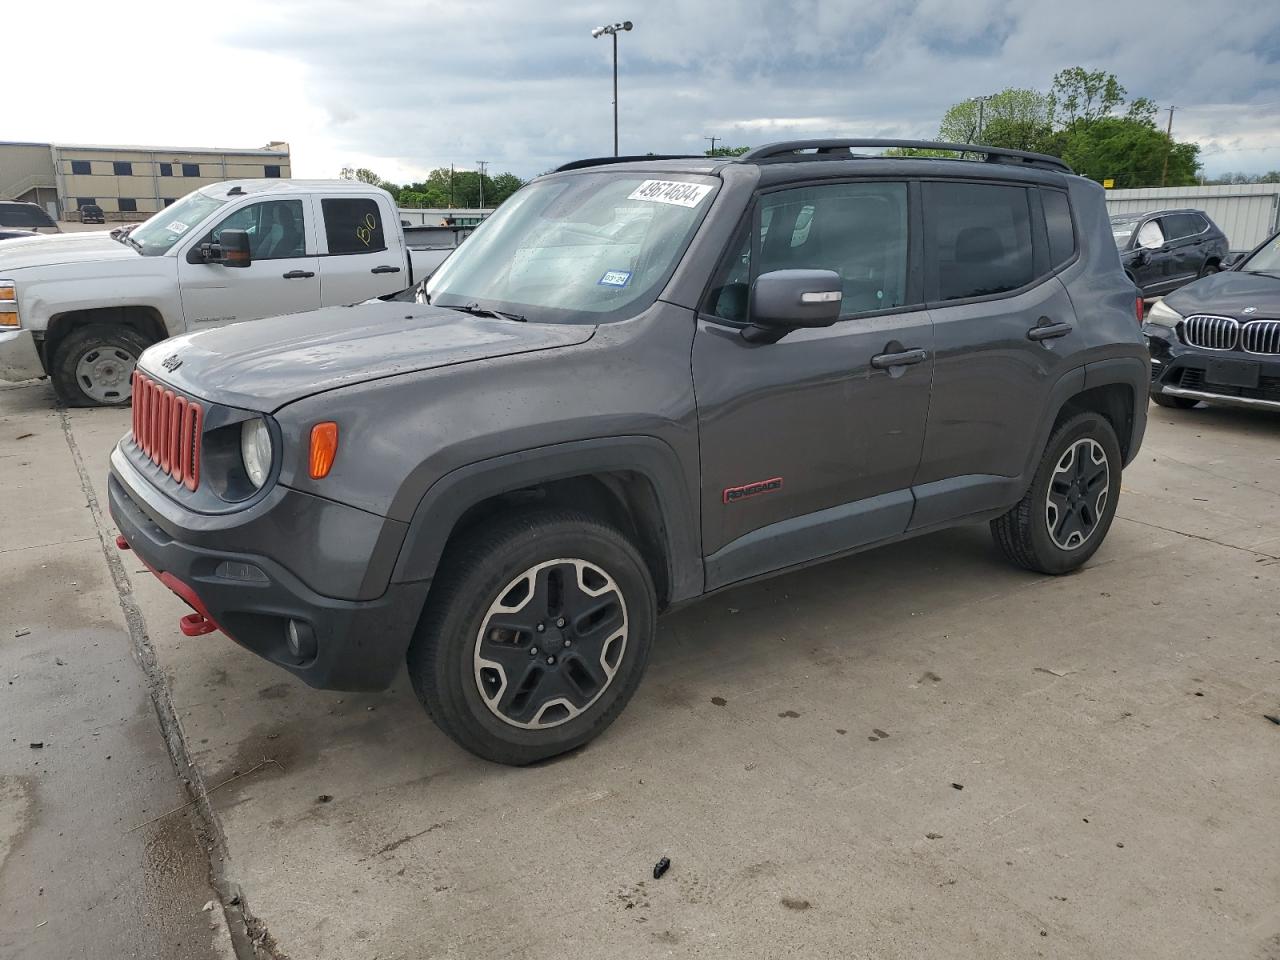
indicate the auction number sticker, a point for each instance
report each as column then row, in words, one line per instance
column 675, row 192
column 614, row 278
column 177, row 226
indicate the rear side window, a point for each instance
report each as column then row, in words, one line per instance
column 859, row 230
column 353, row 225
column 1057, row 219
column 978, row 236
column 1180, row 225
column 24, row 215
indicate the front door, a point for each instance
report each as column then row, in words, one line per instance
column 809, row 445
column 283, row 276
column 1002, row 323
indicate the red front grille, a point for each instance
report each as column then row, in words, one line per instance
column 166, row 428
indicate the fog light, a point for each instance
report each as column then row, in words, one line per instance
column 301, row 639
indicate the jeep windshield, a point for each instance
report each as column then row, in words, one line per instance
column 585, row 248
column 156, row 235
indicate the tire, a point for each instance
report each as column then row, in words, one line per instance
column 1024, row 534
column 1176, row 403
column 502, row 571
column 93, row 365
column 1210, row 266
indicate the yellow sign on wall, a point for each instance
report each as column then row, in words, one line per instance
column 1108, row 183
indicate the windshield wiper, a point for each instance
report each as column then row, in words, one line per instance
column 478, row 311
column 1263, row 273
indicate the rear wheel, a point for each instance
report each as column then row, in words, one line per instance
column 1065, row 514
column 93, row 365
column 535, row 635
column 1177, row 403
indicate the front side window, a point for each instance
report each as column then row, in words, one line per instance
column 1150, row 235
column 582, row 248
column 858, row 230
column 353, row 225
column 275, row 229
column 978, row 236
column 158, row 234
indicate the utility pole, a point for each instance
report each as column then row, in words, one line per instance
column 981, row 102
column 482, row 164
column 713, row 145
column 1168, row 135
column 451, row 186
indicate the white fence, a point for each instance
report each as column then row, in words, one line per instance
column 1248, row 213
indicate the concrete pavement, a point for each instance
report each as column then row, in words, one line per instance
column 916, row 752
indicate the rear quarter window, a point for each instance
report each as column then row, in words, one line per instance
column 978, row 239
column 1057, row 220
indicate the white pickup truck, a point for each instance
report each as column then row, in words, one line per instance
column 81, row 307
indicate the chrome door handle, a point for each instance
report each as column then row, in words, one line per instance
column 883, row 361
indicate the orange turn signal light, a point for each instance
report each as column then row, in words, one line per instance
column 324, row 447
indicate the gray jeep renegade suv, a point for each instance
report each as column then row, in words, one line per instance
column 640, row 381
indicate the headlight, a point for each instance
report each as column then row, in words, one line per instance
column 255, row 450
column 1163, row 314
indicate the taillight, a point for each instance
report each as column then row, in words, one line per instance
column 1142, row 310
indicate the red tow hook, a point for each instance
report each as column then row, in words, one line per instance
column 122, row 543
column 196, row 625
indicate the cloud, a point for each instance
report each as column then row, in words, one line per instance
column 406, row 86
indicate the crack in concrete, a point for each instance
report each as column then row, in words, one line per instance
column 1196, row 536
column 241, row 925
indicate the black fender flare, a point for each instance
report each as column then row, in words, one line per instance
column 449, row 497
column 1135, row 373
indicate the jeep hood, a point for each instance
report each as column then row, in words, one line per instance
column 1229, row 294
column 60, row 248
column 265, row 364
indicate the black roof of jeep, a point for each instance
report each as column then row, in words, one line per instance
column 796, row 159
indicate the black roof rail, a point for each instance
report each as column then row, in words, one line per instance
column 601, row 161
column 841, row 149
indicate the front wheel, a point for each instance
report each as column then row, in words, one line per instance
column 1065, row 514
column 93, row 365
column 535, row 635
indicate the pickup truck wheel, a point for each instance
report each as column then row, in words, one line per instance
column 535, row 635
column 93, row 365
column 1064, row 516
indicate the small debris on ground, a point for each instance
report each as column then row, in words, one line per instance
column 37, row 745
column 719, row 701
column 59, row 661
column 24, row 436
column 209, row 905
column 958, row 786
column 1120, row 845
column 879, row 733
column 661, row 867
column 324, row 798
column 1055, row 673
column 21, row 633
column 796, row 903
column 790, row 714
column 933, row 836
column 1274, row 718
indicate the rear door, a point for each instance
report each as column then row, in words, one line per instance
column 1002, row 324
column 808, row 445
column 362, row 251
column 1186, row 234
column 283, row 276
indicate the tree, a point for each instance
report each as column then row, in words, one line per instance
column 727, row 151
column 365, row 175
column 1015, row 118
column 1130, row 153
column 1082, row 95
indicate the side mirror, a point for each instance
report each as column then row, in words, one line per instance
column 1233, row 259
column 233, row 249
column 785, row 300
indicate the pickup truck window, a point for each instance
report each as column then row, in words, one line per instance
column 582, row 248
column 275, row 229
column 353, row 225
column 158, row 234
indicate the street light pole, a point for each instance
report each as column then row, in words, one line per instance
column 981, row 102
column 612, row 31
column 482, row 164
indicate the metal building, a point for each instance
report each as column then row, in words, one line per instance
column 1248, row 213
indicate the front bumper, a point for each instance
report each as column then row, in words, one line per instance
column 359, row 644
column 19, row 358
column 1178, row 370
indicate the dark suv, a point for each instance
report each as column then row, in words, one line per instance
column 1164, row 250
column 640, row 381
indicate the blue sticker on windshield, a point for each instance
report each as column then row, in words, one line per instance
column 614, row 278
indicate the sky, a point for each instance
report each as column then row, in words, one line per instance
column 403, row 87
